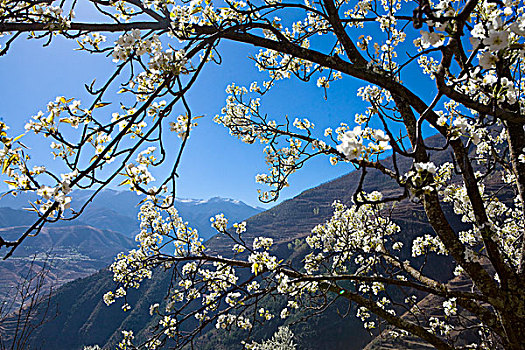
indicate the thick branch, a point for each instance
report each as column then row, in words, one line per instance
column 83, row 27
column 335, row 22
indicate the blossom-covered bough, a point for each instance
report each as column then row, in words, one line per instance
column 468, row 54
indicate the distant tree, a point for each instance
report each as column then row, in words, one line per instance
column 27, row 307
column 466, row 57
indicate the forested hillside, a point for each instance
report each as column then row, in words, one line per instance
column 84, row 319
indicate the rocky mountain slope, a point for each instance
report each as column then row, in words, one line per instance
column 117, row 211
column 86, row 320
column 75, row 249
column 69, row 252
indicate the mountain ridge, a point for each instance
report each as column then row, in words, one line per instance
column 79, row 248
column 290, row 220
column 118, row 211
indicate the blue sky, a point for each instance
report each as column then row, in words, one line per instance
column 215, row 163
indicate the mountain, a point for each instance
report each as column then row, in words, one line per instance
column 86, row 240
column 118, row 210
column 199, row 212
column 69, row 252
column 14, row 217
column 83, row 319
column 79, row 248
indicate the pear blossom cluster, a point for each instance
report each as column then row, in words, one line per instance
column 59, row 111
column 157, row 232
column 242, row 116
column 352, row 234
column 182, row 126
column 199, row 278
column 51, row 14
column 353, row 144
column 51, row 199
column 505, row 221
column 161, row 62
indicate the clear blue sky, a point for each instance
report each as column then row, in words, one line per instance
column 215, row 163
